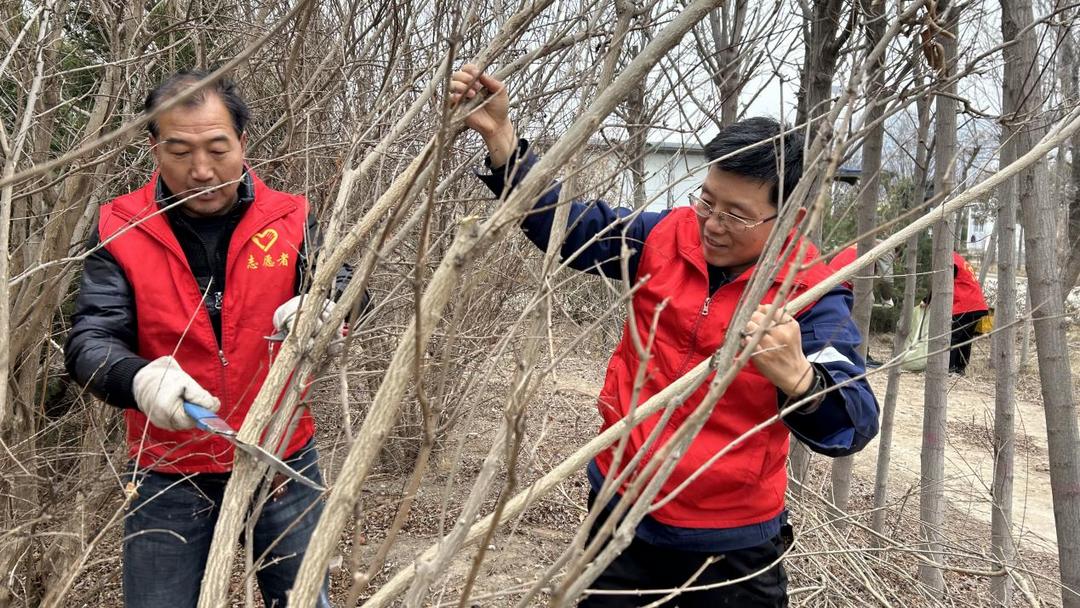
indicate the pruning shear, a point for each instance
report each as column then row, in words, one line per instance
column 280, row 336
column 210, row 422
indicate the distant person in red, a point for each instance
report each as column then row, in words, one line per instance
column 968, row 307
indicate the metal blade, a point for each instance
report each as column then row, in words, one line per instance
column 275, row 463
column 209, row 421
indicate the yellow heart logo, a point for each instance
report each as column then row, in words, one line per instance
column 265, row 239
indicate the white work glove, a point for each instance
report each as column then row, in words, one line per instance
column 285, row 315
column 160, row 390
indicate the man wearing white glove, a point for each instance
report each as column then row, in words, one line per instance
column 156, row 324
column 161, row 388
column 285, row 317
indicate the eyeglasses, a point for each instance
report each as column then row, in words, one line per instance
column 705, row 210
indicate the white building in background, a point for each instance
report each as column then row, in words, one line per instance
column 673, row 170
column 979, row 230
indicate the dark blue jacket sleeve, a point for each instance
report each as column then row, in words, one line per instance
column 609, row 226
column 847, row 418
column 305, row 268
column 101, row 344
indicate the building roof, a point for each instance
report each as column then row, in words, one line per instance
column 848, row 175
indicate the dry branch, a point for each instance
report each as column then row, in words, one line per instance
column 577, row 460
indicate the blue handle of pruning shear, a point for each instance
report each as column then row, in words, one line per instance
column 207, row 420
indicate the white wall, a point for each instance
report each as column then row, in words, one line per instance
column 670, row 175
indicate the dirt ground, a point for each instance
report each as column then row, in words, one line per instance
column 968, row 455
column 563, row 417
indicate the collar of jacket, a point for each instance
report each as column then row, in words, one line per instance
column 141, row 211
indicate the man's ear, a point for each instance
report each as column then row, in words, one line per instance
column 243, row 144
column 154, row 148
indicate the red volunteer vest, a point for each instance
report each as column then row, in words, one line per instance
column 967, row 295
column 747, row 484
column 172, row 320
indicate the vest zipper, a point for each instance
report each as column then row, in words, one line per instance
column 693, row 336
column 224, row 396
column 686, row 360
column 229, row 263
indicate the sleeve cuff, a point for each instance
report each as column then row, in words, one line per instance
column 341, row 281
column 498, row 178
column 119, row 380
column 820, row 383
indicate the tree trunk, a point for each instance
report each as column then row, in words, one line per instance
column 825, row 34
column 1017, row 103
column 1048, row 311
column 874, row 16
column 825, row 31
column 815, row 91
column 932, row 493
column 1003, row 348
column 726, row 26
column 911, row 258
column 637, row 130
column 1046, row 303
column 1070, row 90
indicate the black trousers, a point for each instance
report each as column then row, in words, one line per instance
column 963, row 330
column 643, row 567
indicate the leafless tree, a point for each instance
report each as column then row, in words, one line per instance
column 1046, row 294
column 931, row 496
column 874, row 23
column 349, row 109
column 904, row 326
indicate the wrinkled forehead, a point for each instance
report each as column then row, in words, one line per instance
column 202, row 123
column 185, row 138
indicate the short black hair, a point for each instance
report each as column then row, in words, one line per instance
column 224, row 88
column 761, row 162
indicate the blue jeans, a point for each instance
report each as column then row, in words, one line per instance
column 169, row 526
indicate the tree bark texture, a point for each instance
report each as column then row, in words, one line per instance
column 1003, row 353
column 1017, row 104
column 911, row 258
column 873, row 12
column 935, row 403
column 1070, row 90
column 1046, row 297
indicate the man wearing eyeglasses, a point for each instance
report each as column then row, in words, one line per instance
column 691, row 264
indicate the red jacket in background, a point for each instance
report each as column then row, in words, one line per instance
column 967, row 295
